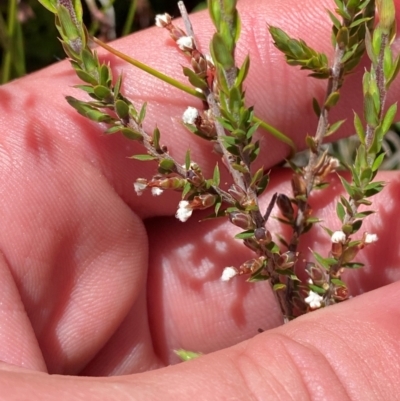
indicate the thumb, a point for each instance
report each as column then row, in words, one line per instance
column 346, row 352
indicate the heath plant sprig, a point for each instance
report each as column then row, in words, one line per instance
column 230, row 124
column 350, row 37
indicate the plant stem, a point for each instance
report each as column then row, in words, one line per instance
column 149, row 70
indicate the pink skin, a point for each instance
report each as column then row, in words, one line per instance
column 81, row 294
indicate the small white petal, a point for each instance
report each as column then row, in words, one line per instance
column 338, row 237
column 156, row 191
column 314, row 300
column 228, row 273
column 140, row 186
column 190, row 115
column 184, row 211
column 370, row 238
column 162, row 20
column 185, row 43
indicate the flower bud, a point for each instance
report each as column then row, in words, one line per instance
column 203, row 201
column 340, row 294
column 298, row 185
column 237, row 193
column 263, row 236
column 285, row 206
column 252, row 265
column 287, row 260
column 317, row 274
column 242, row 220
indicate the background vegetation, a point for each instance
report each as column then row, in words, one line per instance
column 28, row 37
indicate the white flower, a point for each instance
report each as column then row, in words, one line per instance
column 370, row 238
column 228, row 273
column 185, row 43
column 190, row 115
column 162, row 20
column 156, row 191
column 338, row 237
column 184, row 211
column 140, row 185
column 314, row 300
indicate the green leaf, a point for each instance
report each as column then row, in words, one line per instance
column 117, row 86
column 338, row 282
column 364, row 214
column 105, row 75
column 102, row 92
column 394, row 72
column 70, row 31
column 113, row 129
column 242, row 74
column 262, row 184
column 347, row 186
column 342, row 37
column 194, row 79
column 334, row 127
column 389, row 117
column 235, row 102
column 217, row 206
column 359, row 128
column 353, row 265
column 142, row 113
column 374, row 188
column 340, row 211
column 167, row 164
column 245, row 234
column 324, row 262
column 143, row 157
column 77, row 5
column 131, row 134
column 214, row 9
column 316, row 107
column 86, row 77
column 334, row 20
column 156, row 138
column 356, row 226
column 187, row 160
column 187, row 355
column 51, row 5
column 122, row 109
column 89, row 111
column 370, row 110
column 221, row 53
column 216, row 175
column 316, row 289
column 186, row 189
column 89, row 61
column 279, row 287
column 377, row 162
column 332, row 100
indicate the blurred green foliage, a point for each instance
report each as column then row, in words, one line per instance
column 30, row 43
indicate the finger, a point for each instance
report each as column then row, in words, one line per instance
column 348, row 351
column 77, row 253
column 18, row 342
column 191, row 308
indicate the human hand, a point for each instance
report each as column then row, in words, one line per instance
column 88, row 289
